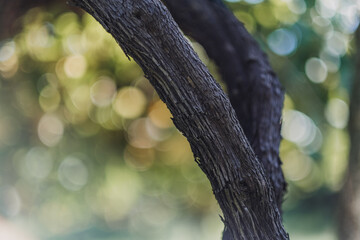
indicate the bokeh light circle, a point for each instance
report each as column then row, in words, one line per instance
column 282, row 42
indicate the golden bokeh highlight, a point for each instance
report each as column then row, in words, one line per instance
column 50, row 130
column 160, row 115
column 75, row 66
column 103, row 91
column 9, row 62
column 130, row 102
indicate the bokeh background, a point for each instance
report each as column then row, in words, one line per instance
column 88, row 151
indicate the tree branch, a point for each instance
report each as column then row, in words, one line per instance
column 254, row 90
column 349, row 222
column 201, row 111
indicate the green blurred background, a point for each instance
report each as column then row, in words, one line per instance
column 88, row 151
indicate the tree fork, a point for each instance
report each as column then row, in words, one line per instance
column 146, row 31
column 254, row 90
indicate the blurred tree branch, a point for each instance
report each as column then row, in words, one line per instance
column 202, row 112
column 349, row 222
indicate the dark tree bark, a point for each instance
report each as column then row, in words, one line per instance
column 254, row 90
column 349, row 222
column 201, row 111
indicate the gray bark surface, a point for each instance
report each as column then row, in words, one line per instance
column 254, row 90
column 146, row 31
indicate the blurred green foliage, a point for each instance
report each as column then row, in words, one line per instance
column 88, row 151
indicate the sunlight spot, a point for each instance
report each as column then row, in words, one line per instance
column 336, row 43
column 7, row 51
column 297, row 6
column 298, row 128
column 349, row 19
column 327, row 8
column 130, row 102
column 337, row 113
column 139, row 135
column 73, row 174
column 160, row 115
column 50, row 130
column 282, row 42
column 75, row 66
column 103, row 91
column 296, row 165
column 316, row 70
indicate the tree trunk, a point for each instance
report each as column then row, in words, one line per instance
column 254, row 90
column 201, row 111
column 349, row 222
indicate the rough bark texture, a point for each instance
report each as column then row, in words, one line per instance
column 202, row 112
column 254, row 90
column 349, row 222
